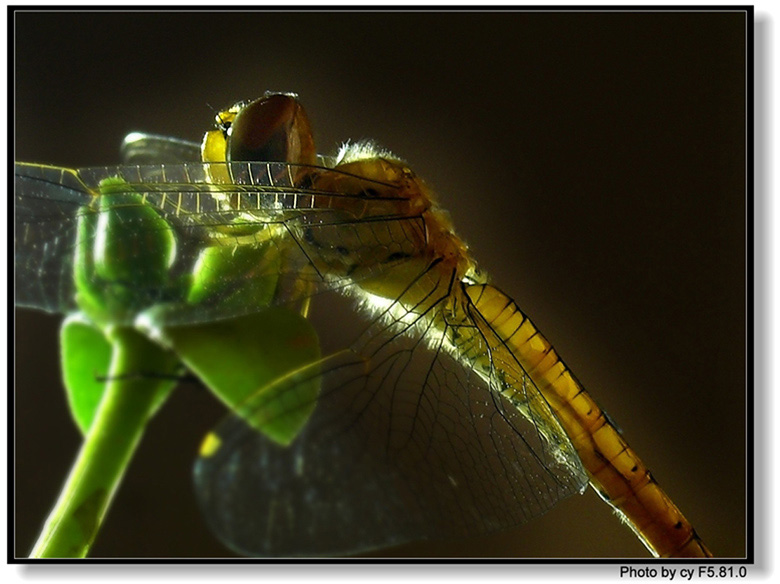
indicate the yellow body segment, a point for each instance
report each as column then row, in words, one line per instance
column 616, row 472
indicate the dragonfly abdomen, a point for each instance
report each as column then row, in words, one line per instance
column 616, row 472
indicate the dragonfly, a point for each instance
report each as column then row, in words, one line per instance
column 439, row 409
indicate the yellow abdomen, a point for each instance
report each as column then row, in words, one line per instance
column 616, row 472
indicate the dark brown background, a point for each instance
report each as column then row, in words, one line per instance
column 594, row 162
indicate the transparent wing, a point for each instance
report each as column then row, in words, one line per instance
column 412, row 437
column 142, row 148
column 312, row 219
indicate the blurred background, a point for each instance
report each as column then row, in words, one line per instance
column 595, row 163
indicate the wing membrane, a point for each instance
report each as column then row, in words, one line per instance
column 142, row 148
column 408, row 441
column 47, row 200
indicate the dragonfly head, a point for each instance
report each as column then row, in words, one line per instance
column 272, row 128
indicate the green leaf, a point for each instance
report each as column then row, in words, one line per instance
column 242, row 361
column 86, row 358
column 237, row 276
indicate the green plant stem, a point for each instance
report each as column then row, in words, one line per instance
column 127, row 404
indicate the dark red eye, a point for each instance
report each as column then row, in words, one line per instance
column 274, row 128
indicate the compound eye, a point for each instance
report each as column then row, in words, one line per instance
column 274, row 128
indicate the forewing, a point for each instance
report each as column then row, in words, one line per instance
column 253, row 212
